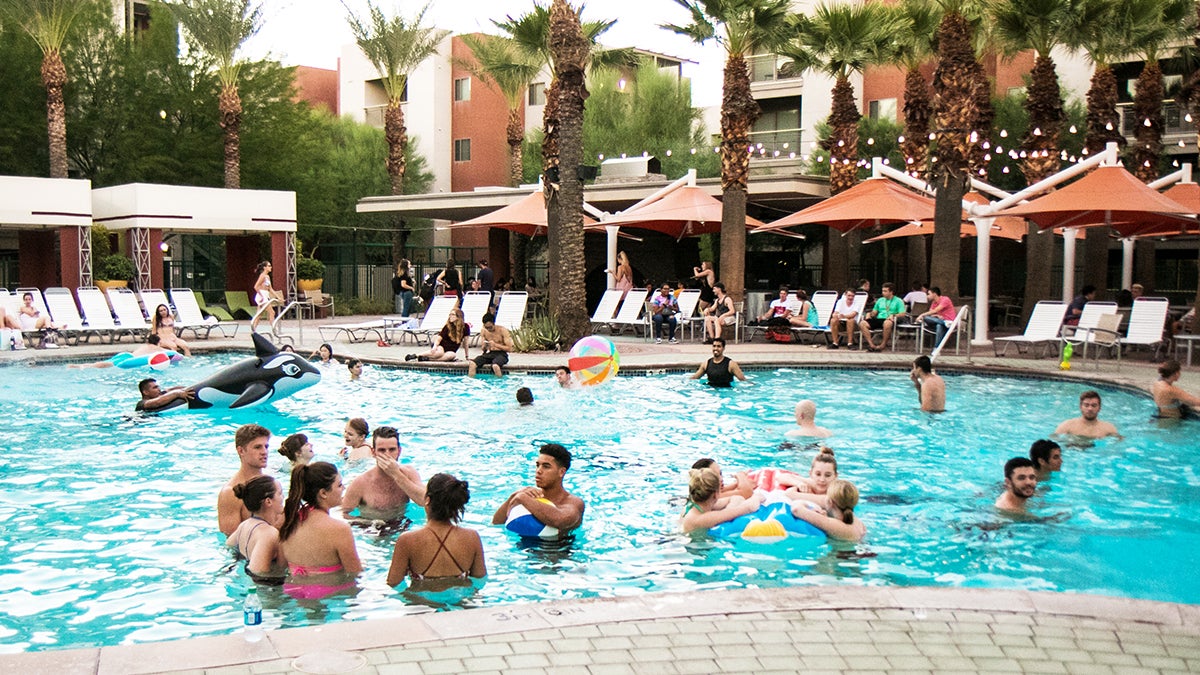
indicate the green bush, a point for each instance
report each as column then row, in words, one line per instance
column 309, row 268
column 540, row 333
column 115, row 267
column 358, row 305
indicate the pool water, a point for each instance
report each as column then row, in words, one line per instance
column 109, row 527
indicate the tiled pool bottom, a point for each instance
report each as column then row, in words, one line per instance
column 811, row 630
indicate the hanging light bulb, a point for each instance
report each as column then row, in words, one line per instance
column 886, row 162
column 841, row 143
column 974, row 137
column 785, row 146
column 987, row 157
column 1063, row 155
column 900, row 138
column 1175, row 163
column 1072, row 158
column 908, row 160
column 983, row 172
column 1013, row 154
column 645, row 153
column 1182, row 144
column 1108, row 126
column 791, row 155
column 1000, row 149
column 1146, row 163
column 1073, row 129
column 820, row 158
column 1004, row 133
column 1022, row 155
column 870, row 141
column 1146, row 122
column 1004, row 170
column 1037, row 131
column 693, row 151
column 600, row 157
column 759, row 146
column 717, row 150
column 986, row 145
column 623, row 156
column 1187, row 117
column 776, row 153
column 933, row 160
column 668, row 153
column 933, row 137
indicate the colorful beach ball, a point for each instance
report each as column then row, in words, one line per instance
column 594, row 359
column 160, row 361
column 521, row 521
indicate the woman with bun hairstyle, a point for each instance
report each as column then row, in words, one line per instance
column 820, row 476
column 256, row 539
column 705, row 508
column 836, row 519
column 319, row 548
column 297, row 450
column 442, row 550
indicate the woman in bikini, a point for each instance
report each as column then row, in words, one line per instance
column 265, row 297
column 1172, row 401
column 623, row 275
column 355, row 434
column 442, row 550
column 319, row 549
column 257, row 539
column 705, row 506
column 163, row 325
column 836, row 519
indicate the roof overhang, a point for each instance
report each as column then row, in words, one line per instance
column 28, row 203
column 194, row 210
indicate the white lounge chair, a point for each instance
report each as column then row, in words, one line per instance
column 1080, row 334
column 96, row 313
column 510, row 313
column 793, row 304
column 1042, row 328
column 954, row 330
column 688, row 300
column 632, row 312
column 431, row 324
column 823, row 301
column 191, row 318
column 152, row 298
column 129, row 312
column 607, row 309
column 355, row 332
column 64, row 312
column 1146, row 324
column 474, row 305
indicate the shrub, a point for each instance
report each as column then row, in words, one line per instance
column 538, row 334
column 309, row 268
column 115, row 267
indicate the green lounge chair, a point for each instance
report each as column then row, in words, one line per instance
column 214, row 310
column 239, row 304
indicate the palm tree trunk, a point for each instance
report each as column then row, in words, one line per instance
column 1103, row 123
column 229, row 104
column 397, row 137
column 570, row 47
column 54, row 78
column 1041, row 145
column 738, row 112
column 515, row 136
column 1148, row 96
column 843, row 174
column 956, row 114
column 917, row 113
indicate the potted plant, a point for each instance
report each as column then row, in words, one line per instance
column 113, row 271
column 309, row 273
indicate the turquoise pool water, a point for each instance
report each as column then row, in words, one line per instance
column 109, row 531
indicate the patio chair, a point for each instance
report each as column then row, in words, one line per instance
column 191, row 318
column 908, row 324
column 129, row 313
column 1147, row 322
column 510, row 313
column 474, row 306
column 355, row 332
column 1079, row 335
column 688, row 301
column 38, row 300
column 239, row 304
column 152, row 298
column 823, row 301
column 631, row 312
column 63, row 311
column 1106, row 334
column 954, row 330
column 206, row 309
column 318, row 300
column 1042, row 328
column 431, row 324
column 793, row 304
column 607, row 309
column 97, row 315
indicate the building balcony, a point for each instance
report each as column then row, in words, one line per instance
column 774, row 74
column 1175, row 125
column 776, row 143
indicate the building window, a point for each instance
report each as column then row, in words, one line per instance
column 462, row 89
column 537, row 93
column 462, row 150
column 884, row 108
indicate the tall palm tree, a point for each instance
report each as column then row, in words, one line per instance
column 743, row 28
column 49, row 23
column 915, row 44
column 509, row 70
column 841, row 40
column 219, row 28
column 1156, row 28
column 1041, row 25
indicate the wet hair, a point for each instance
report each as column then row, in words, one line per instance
column 291, row 446
column 254, row 491
column 923, row 364
column 351, row 363
column 525, row 396
column 1090, row 393
column 328, row 347
column 261, row 266
column 1040, row 451
column 844, row 495
column 564, row 369
column 719, row 339
column 358, row 425
column 145, row 384
column 1017, row 463
column 489, row 318
column 704, row 463
column 887, row 285
column 702, row 485
column 287, row 348
column 1168, row 368
column 825, row 456
column 558, row 453
column 1087, row 290
column 153, row 339
column 246, row 433
column 382, row 432
column 307, row 482
column 448, row 497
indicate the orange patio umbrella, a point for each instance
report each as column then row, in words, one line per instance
column 1005, row 228
column 527, row 216
column 683, row 212
column 1186, row 194
column 1109, row 196
column 875, row 201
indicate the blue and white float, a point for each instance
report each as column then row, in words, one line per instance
column 771, row 523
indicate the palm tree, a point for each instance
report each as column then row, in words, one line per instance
column 219, row 28
column 1156, row 26
column 841, row 40
column 743, row 28
column 49, row 23
column 914, row 44
column 1041, row 25
column 501, row 64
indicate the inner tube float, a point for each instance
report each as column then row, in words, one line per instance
column 774, row 479
column 771, row 523
column 267, row 376
column 156, row 361
column 521, row 521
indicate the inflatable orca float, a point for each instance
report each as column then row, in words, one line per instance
column 269, row 375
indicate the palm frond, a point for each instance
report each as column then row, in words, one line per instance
column 502, row 64
column 840, row 39
column 219, row 28
column 394, row 45
column 48, row 22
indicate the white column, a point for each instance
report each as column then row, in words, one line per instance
column 983, row 273
column 1068, row 290
column 612, row 230
column 1126, row 263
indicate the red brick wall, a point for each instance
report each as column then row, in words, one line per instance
column 317, row 86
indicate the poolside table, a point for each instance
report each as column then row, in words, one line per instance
column 1188, row 339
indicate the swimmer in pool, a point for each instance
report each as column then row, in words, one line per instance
column 806, row 422
column 821, row 475
column 251, row 442
column 564, row 378
column 1172, row 401
column 383, row 491
column 564, row 510
column 931, row 388
column 355, row 435
column 1020, row 482
column 836, row 519
column 741, row 485
column 154, row 398
column 720, row 369
column 325, row 354
column 150, row 347
column 319, row 549
column 257, row 538
column 355, row 367
column 443, row 549
column 1046, row 456
column 706, row 508
column 1088, row 424
column 297, row 450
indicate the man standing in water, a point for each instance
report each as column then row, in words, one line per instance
column 383, row 491
column 549, row 501
column 1020, row 482
column 931, row 388
column 720, row 370
column 1088, row 424
column 1047, row 457
column 251, row 441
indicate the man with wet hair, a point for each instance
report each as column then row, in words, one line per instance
column 251, row 442
column 564, row 378
column 155, row 398
column 1020, row 482
column 1046, row 456
column 548, row 500
column 720, row 369
column 931, row 388
column 384, row 491
column 1088, row 424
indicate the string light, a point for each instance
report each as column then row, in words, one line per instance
column 600, row 157
column 933, row 137
column 1084, row 152
column 693, row 151
column 1175, row 163
column 987, row 157
column 986, row 145
column 1108, row 126
column 1063, row 155
column 1146, row 122
column 870, row 141
column 1073, row 129
column 1000, row 149
column 1187, row 117
column 791, row 155
column 1004, row 133
column 668, row 153
column 900, row 138
column 1037, row 131
column 623, row 156
column 841, row 143
column 886, row 162
column 1004, row 170
column 785, row 146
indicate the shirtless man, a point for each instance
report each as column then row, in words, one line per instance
column 155, row 399
column 1046, row 457
column 806, row 421
column 149, row 347
column 497, row 343
column 1088, row 424
column 719, row 369
column 931, row 388
column 384, row 490
column 1020, row 482
column 564, row 378
column 565, row 510
column 251, row 441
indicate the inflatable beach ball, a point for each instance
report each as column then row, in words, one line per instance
column 521, row 521
column 160, row 361
column 594, row 360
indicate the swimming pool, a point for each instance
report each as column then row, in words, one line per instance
column 110, row 530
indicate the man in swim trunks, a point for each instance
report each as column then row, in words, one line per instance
column 1046, row 457
column 251, row 441
column 1088, row 424
column 155, row 399
column 806, row 422
column 384, row 491
column 497, row 343
column 1020, row 482
column 564, row 510
column 719, row 369
column 931, row 388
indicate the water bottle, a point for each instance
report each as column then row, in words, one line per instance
column 252, row 628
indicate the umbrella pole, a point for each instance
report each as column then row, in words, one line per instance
column 612, row 231
column 1068, row 289
column 983, row 278
column 1126, row 263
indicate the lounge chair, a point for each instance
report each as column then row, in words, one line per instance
column 1146, row 324
column 239, row 304
column 632, row 312
column 1042, row 328
column 129, row 313
column 206, row 309
column 355, row 332
column 510, row 313
column 1079, row 335
column 64, row 312
column 474, row 305
column 823, row 301
column 688, row 301
column 607, row 309
column 1106, row 334
column 793, row 303
column 954, row 330
column 431, row 324
column 97, row 315
column 190, row 317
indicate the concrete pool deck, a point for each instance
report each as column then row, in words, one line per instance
column 808, row 629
